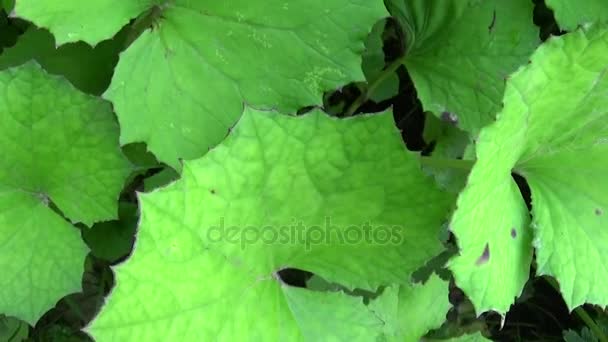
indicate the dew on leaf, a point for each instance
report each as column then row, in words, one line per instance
column 44, row 198
column 485, row 256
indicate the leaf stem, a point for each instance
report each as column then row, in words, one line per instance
column 143, row 22
column 447, row 163
column 597, row 331
column 364, row 96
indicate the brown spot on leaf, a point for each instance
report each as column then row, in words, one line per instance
column 484, row 257
column 598, row 212
column 513, row 233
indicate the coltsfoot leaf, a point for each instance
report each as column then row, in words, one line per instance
column 90, row 21
column 181, row 86
column 280, row 192
column 401, row 308
column 60, row 148
column 459, row 53
column 552, row 131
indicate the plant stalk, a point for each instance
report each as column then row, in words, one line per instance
column 364, row 96
column 145, row 21
column 597, row 331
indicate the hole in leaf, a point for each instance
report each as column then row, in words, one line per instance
column 435, row 265
column 544, row 18
column 319, row 284
column 408, row 113
column 294, row 277
column 485, row 256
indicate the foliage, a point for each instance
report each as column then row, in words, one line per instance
column 312, row 170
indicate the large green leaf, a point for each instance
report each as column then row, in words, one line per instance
column 90, row 21
column 340, row 198
column 409, row 312
column 58, row 145
column 553, row 132
column 491, row 226
column 89, row 69
column 459, row 52
column 181, row 86
column 570, row 14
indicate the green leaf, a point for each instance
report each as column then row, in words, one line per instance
column 586, row 335
column 140, row 157
column 552, row 131
column 569, row 14
column 13, row 330
column 198, row 263
column 331, row 316
column 143, row 163
column 90, row 21
column 112, row 240
column 164, row 177
column 491, row 225
column 59, row 145
column 89, row 69
column 565, row 160
column 459, row 52
column 401, row 308
column 181, row 86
